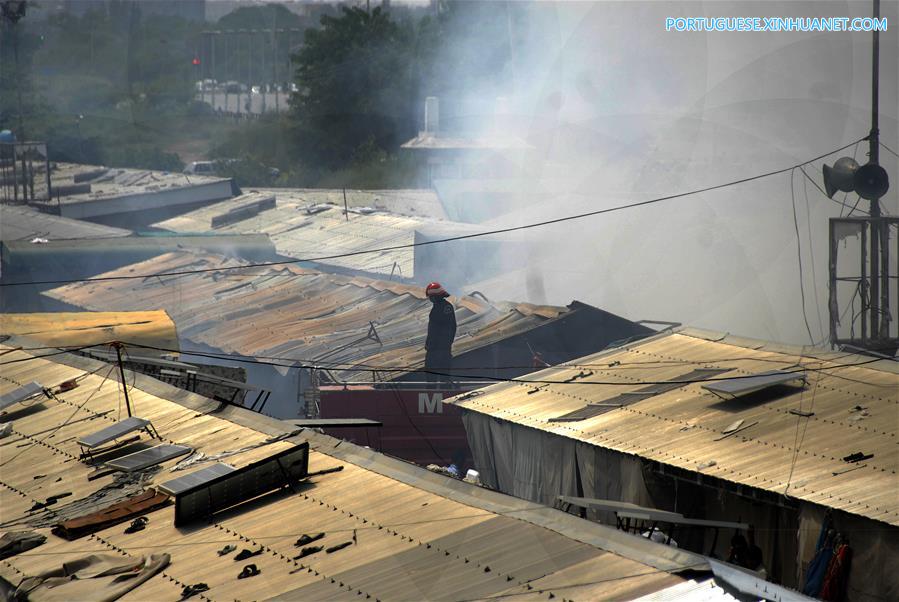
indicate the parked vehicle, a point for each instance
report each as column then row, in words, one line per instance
column 201, row 168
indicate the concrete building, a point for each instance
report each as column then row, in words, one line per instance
column 462, row 153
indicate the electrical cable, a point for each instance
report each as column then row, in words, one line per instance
column 811, row 338
column 798, row 446
column 548, row 222
column 846, row 196
column 821, row 190
column 795, row 437
column 889, row 149
column 394, row 389
column 419, row 368
column 37, row 357
column 362, row 367
column 811, row 252
column 527, row 381
column 64, row 423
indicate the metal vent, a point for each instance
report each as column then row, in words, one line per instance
column 592, row 410
column 115, row 431
column 750, row 384
column 195, row 479
column 202, row 500
column 148, row 457
column 19, row 395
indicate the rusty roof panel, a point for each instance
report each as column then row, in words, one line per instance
column 286, row 311
column 687, row 427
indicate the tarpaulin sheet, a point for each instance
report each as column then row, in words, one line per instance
column 94, row 578
column 16, row 542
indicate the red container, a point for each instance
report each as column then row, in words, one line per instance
column 417, row 425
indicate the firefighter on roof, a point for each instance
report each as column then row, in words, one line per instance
column 441, row 332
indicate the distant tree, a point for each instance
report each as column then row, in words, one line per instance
column 356, row 88
column 18, row 101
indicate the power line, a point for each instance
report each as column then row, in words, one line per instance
column 889, row 149
column 497, row 379
column 64, row 423
column 811, row 338
column 811, row 252
column 557, row 220
column 296, row 362
column 60, row 352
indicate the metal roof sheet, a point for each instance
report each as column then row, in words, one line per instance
column 302, row 314
column 414, row 534
column 119, row 181
column 27, row 224
column 413, row 202
column 152, row 327
column 854, row 409
column 306, row 225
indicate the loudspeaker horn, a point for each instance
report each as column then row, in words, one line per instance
column 841, row 176
column 871, row 181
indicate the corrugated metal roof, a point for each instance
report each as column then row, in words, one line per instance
column 690, row 591
column 74, row 329
column 416, row 535
column 685, row 427
column 413, row 202
column 24, row 224
column 312, row 224
column 285, row 311
column 118, row 181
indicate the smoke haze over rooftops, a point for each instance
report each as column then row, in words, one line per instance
column 619, row 110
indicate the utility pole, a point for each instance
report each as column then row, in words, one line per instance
column 275, row 66
column 263, row 88
column 871, row 182
column 118, row 352
column 215, row 85
column 880, row 284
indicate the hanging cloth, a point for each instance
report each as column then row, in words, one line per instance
column 817, row 568
column 834, row 587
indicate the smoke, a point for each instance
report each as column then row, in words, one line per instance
column 619, row 110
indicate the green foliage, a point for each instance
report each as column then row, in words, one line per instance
column 115, row 57
column 18, row 99
column 380, row 172
column 262, row 139
column 363, row 78
column 117, row 88
column 356, row 87
column 246, row 171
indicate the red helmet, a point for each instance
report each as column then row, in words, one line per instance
column 436, row 290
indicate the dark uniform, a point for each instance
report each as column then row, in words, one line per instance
column 441, row 333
